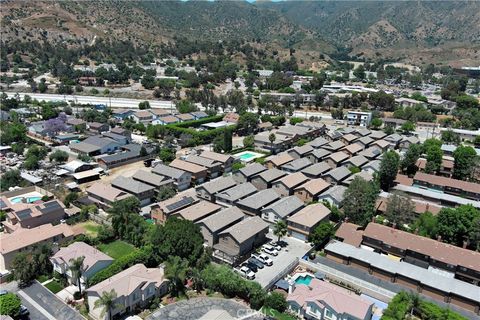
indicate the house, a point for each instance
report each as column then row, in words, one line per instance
column 365, row 142
column 334, row 195
column 182, row 179
column 393, row 139
column 377, row 135
column 78, row 124
column 104, row 195
column 333, row 135
column 285, row 186
column 365, row 175
column 334, row 146
column 212, row 226
column 316, row 170
column 352, row 149
column 451, row 186
column 214, row 168
column 208, row 190
column 407, row 142
column 198, row 173
column 231, row 117
column 282, row 209
column 407, row 102
column 347, row 130
column 310, row 190
column 300, row 152
column 166, row 120
column 371, row 153
column 393, row 122
column 324, row 300
column 122, row 132
column 164, row 209
column 197, row 115
column 299, row 132
column 246, row 173
column 296, row 165
column 253, row 204
column 95, row 145
column 159, row 113
column 142, row 191
column 142, row 116
column 362, row 132
column 225, row 159
column 318, row 155
column 357, row 161
column 135, row 288
column 131, row 153
column 348, row 138
column 24, row 240
column 185, row 117
column 94, row 261
column 265, row 126
column 122, row 114
column 121, row 139
column 155, row 180
column 335, row 159
column 382, row 145
column 265, row 179
column 98, row 127
column 372, row 166
column 281, row 142
column 276, row 161
column 318, row 142
column 240, row 239
column 198, row 211
column 337, row 175
column 302, row 223
column 465, row 135
column 358, row 118
column 231, row 196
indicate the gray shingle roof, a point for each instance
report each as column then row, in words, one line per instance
column 321, row 153
column 208, row 163
column 336, row 192
column 151, row 179
column 272, row 174
column 241, row 191
column 252, row 169
column 316, row 169
column 218, row 185
column 318, row 142
column 338, row 174
column 286, row 206
column 357, row 161
column 297, row 165
column 260, row 199
column 131, row 185
column 222, row 219
column 246, row 228
column 168, row 171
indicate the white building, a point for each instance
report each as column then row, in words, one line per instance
column 359, row 118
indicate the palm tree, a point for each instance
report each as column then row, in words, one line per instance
column 414, row 302
column 176, row 272
column 107, row 303
column 280, row 229
column 76, row 268
column 197, row 280
column 272, row 137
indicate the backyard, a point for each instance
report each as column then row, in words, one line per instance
column 116, row 249
column 90, row 228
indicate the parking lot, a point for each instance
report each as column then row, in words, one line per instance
column 287, row 257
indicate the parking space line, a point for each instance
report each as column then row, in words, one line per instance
column 36, row 305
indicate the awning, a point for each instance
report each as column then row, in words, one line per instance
column 282, row 284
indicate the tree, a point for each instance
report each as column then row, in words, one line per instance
column 388, row 169
column 70, row 198
column 176, row 271
column 455, row 225
column 466, row 102
column 237, row 166
column 107, row 302
column 10, row 178
column 276, row 300
column 465, row 161
column 10, row 304
column 58, row 156
column 434, row 158
column 359, row 72
column 280, row 229
column 165, row 192
column 361, row 192
column 76, row 268
column 409, row 161
column 321, row 233
column 31, row 163
column 388, row 130
column 450, row 137
column 400, row 209
column 272, row 137
column 248, row 122
column 376, row 123
column 186, row 106
column 167, row 155
column 426, row 225
column 144, row 105
column 23, row 268
column 249, row 141
column 408, row 127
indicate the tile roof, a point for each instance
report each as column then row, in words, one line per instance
column 310, row 215
column 187, row 166
column 314, row 186
column 353, row 148
column 80, row 249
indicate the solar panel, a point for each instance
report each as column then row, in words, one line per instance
column 24, row 214
column 180, row 204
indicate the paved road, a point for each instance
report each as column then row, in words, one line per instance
column 35, row 314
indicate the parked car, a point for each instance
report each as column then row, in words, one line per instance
column 3, row 292
column 246, row 273
column 250, row 266
column 270, row 250
column 275, row 245
column 264, row 259
column 23, row 311
column 256, row 262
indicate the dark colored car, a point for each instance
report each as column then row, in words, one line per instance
column 251, row 266
column 256, row 262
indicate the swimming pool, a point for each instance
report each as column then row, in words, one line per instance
column 29, row 199
column 306, row 279
column 247, row 156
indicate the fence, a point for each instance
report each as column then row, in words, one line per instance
column 282, row 273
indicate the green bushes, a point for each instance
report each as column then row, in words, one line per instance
column 10, row 304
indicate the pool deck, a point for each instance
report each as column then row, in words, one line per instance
column 253, row 156
column 33, row 194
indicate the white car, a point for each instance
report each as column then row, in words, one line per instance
column 246, row 273
column 270, row 250
column 276, row 246
column 264, row 259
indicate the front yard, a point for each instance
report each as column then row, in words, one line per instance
column 116, row 249
column 54, row 286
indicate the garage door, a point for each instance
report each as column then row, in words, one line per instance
column 299, row 235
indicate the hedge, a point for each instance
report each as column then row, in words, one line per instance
column 196, row 123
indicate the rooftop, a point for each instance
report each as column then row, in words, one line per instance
column 297, row 165
column 252, row 169
column 293, row 180
column 310, row 215
column 260, row 199
column 238, row 192
column 198, row 211
column 131, row 185
column 314, row 186
column 107, row 192
column 246, row 228
column 168, row 171
column 187, row 166
column 80, row 249
column 317, row 168
column 218, row 184
column 285, row 206
column 222, row 219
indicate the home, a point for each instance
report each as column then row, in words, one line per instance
column 382, row 145
column 104, row 195
column 285, row 186
column 276, row 161
column 334, row 146
column 318, row 155
column 197, row 115
column 121, row 139
column 372, row 166
column 348, row 138
column 318, row 142
column 371, row 153
column 142, row 116
column 98, row 127
column 296, row 165
column 282, row 209
column 316, row 170
column 197, row 211
column 265, row 179
column 123, row 132
column 302, row 223
column 78, row 124
column 362, row 132
column 334, row 195
column 465, row 135
column 316, row 127
column 94, row 261
column 158, row 113
column 231, row 196
column 144, row 284
column 310, row 190
column 142, row 191
column 240, row 239
column 337, row 175
column 300, row 152
column 164, row 209
column 394, row 139
column 130, row 153
column 208, row 190
column 24, row 240
column 199, row 173
column 213, row 225
column 298, row 132
column 231, row 117
column 324, row 300
column 214, row 168
column 333, row 135
column 154, row 180
column 185, row 117
column 182, row 179
column 455, row 187
column 365, row 175
column 95, row 145
column 393, row 122
column 253, row 204
column 281, row 142
column 352, row 149
column 377, row 135
column 335, row 159
column 265, row 126
column 365, row 142
column 357, row 161
column 358, row 118
column 407, row 142
column 122, row 114
column 166, row 120
column 246, row 174
column 225, row 159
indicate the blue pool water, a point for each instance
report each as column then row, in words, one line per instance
column 304, row 280
column 29, row 199
column 247, row 156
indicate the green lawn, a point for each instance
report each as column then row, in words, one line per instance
column 275, row 314
column 42, row 278
column 54, row 286
column 116, row 249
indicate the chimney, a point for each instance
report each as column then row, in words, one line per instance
column 291, row 286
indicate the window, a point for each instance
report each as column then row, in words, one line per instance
column 328, row 314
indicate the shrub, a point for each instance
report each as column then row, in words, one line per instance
column 276, row 301
column 10, row 304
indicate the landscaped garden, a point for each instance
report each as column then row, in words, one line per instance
column 116, row 249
